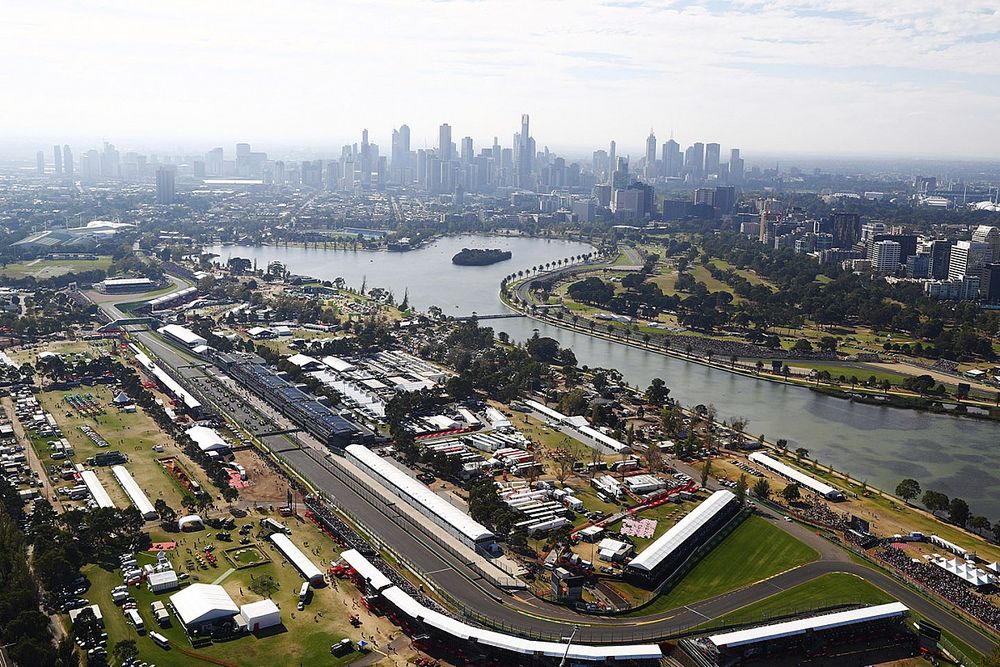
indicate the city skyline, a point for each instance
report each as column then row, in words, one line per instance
column 776, row 77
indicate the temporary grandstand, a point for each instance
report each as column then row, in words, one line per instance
column 672, row 548
column 170, row 300
column 309, row 571
column 801, row 636
column 455, row 636
column 96, row 489
column 800, row 478
column 134, row 492
column 428, row 503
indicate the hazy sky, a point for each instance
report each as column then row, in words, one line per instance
column 913, row 77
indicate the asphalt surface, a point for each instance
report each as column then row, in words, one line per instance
column 522, row 614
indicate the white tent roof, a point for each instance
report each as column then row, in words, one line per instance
column 260, row 612
column 207, row 439
column 201, row 603
column 796, row 476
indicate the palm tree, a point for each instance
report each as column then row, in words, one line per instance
column 760, row 366
column 732, row 360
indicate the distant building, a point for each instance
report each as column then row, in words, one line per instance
column 846, row 229
column 940, row 250
column 885, row 257
column 967, row 258
column 40, row 163
column 989, row 283
column 166, row 190
column 991, row 236
column 712, row 157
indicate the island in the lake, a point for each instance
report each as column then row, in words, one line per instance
column 480, row 256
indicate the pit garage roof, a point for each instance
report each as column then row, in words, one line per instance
column 814, row 624
column 412, row 489
column 654, row 554
column 203, row 603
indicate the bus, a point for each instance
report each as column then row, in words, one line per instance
column 135, row 619
column 160, row 640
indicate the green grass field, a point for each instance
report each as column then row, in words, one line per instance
column 824, row 591
column 761, row 549
column 847, row 370
column 50, row 268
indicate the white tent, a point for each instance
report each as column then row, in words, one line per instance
column 162, row 581
column 199, row 604
column 207, row 439
column 261, row 614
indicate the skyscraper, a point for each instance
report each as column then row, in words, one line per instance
column 712, row 156
column 967, row 258
column 67, row 160
column 694, row 161
column 672, row 159
column 57, row 160
column 612, row 161
column 467, row 149
column 525, row 153
column 444, row 142
column 620, row 178
column 650, row 170
column 166, row 192
column 885, row 257
column 40, row 162
column 735, row 166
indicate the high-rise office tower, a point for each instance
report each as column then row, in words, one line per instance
column 444, row 142
column 672, row 159
column 467, row 153
column 40, row 162
column 166, row 192
column 525, row 153
column 694, row 161
column 990, row 235
column 619, row 179
column 67, row 160
column 735, row 166
column 967, row 258
column 110, row 162
column 885, row 257
column 940, row 251
column 650, row 170
column 612, row 161
column 213, row 162
column 599, row 165
column 712, row 156
column 57, row 160
column 846, row 229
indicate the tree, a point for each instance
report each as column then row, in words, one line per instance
column 167, row 513
column 802, row 345
column 654, row 458
column 908, row 489
column 782, row 444
column 935, row 501
column 801, row 453
column 564, row 460
column 791, row 493
column 958, row 512
column 741, row 489
column 125, row 650
column 657, row 392
column 762, row 489
column 264, row 585
column 706, row 470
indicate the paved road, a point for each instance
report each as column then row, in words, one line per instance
column 525, row 613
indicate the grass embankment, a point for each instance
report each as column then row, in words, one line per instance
column 824, row 591
column 761, row 549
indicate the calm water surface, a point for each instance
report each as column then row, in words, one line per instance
column 959, row 457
